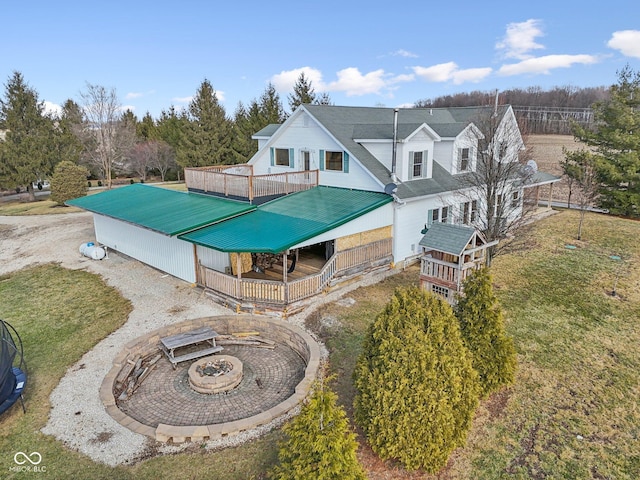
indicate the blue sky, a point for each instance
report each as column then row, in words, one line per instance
column 157, row 53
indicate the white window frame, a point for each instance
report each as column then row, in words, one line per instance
column 279, row 154
column 329, row 153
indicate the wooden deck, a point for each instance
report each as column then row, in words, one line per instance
column 239, row 182
column 309, row 263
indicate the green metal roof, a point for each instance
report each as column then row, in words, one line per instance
column 165, row 211
column 282, row 223
column 448, row 238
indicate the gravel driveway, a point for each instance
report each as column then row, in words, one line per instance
column 158, row 300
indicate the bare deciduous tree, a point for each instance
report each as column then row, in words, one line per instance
column 105, row 136
column 580, row 167
column 491, row 190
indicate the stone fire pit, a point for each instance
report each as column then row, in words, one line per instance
column 215, row 374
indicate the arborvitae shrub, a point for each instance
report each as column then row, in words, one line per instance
column 416, row 388
column 482, row 327
column 320, row 444
column 68, row 181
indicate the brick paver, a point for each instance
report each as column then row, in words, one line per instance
column 165, row 396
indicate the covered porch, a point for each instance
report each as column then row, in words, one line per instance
column 277, row 287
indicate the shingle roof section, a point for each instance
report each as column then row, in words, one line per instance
column 282, row 223
column 348, row 124
column 448, row 238
column 159, row 209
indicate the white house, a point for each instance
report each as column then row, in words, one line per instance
column 332, row 193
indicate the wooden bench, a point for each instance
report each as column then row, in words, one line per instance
column 187, row 339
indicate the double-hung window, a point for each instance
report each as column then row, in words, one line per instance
column 469, row 212
column 438, row 215
column 417, row 164
column 463, row 159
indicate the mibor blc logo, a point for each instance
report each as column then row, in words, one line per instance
column 27, row 462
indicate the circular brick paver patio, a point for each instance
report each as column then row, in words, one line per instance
column 165, row 396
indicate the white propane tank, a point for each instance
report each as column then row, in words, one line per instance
column 90, row 250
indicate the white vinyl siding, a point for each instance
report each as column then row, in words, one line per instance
column 169, row 254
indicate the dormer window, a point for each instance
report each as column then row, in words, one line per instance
column 417, row 164
column 463, row 159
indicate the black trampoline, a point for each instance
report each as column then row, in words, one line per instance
column 13, row 373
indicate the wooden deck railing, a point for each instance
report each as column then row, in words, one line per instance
column 238, row 181
column 281, row 293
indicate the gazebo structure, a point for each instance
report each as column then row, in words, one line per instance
column 450, row 254
column 13, row 376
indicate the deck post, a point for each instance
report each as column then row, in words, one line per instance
column 550, row 193
column 239, row 274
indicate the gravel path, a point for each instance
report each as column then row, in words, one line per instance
column 77, row 416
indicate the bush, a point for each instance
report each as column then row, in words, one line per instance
column 68, row 182
column 482, row 326
column 319, row 443
column 416, row 388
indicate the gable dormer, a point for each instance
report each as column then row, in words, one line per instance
column 465, row 150
column 415, row 154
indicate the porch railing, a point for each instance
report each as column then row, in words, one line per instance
column 238, row 181
column 281, row 293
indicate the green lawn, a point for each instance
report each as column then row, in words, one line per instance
column 572, row 412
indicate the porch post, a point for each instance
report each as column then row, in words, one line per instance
column 239, row 275
column 537, row 196
column 284, row 277
column 550, row 194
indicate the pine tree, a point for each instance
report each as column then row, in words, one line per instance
column 207, row 137
column 243, row 145
column 303, row 92
column 616, row 144
column 270, row 106
column 482, row 326
column 319, row 443
column 27, row 152
column 416, row 388
column 68, row 181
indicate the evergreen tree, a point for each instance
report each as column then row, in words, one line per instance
column 482, row 326
column 243, row 145
column 70, row 121
column 208, row 134
column 146, row 128
column 171, row 128
column 68, row 181
column 323, row 99
column 416, row 388
column 616, row 144
column 271, row 108
column 319, row 443
column 28, row 151
column 303, row 92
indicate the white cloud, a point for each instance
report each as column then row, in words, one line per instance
column 353, row 83
column 52, row 108
column 546, row 64
column 627, row 42
column 124, row 108
column 445, row 72
column 285, row 80
column 132, row 95
column 404, row 53
column 520, row 39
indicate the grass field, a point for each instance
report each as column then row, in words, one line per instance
column 572, row 412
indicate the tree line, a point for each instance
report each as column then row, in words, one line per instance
column 95, row 132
